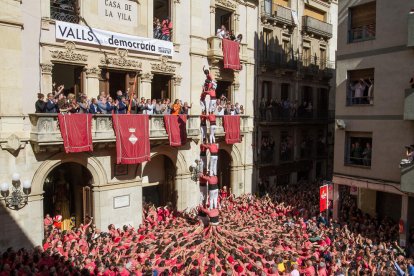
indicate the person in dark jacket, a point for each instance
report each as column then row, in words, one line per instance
column 51, row 106
column 94, row 107
column 40, row 103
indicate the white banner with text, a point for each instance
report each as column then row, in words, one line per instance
column 84, row 34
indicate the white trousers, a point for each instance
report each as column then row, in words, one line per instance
column 212, row 132
column 203, row 194
column 203, row 130
column 212, row 105
column 203, row 105
column 207, row 102
column 213, row 164
column 213, row 196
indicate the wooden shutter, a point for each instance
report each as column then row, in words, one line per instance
column 314, row 13
column 284, row 3
column 363, row 15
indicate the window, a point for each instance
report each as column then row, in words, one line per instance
column 267, row 147
column 306, row 56
column 224, row 18
column 286, row 146
column 322, row 58
column 284, row 3
column 267, row 7
column 360, row 88
column 314, row 13
column 64, row 10
column 284, row 91
column 224, row 89
column 306, row 145
column 112, row 81
column 358, row 150
column 161, row 87
column 70, row 76
column 267, row 90
column 162, row 24
column 362, row 22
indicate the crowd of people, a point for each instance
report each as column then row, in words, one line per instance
column 162, row 29
column 285, row 109
column 277, row 234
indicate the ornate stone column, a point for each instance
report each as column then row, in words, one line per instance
column 212, row 20
column 47, row 81
column 176, row 83
column 145, row 89
column 92, row 81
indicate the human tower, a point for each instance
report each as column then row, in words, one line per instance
column 208, row 179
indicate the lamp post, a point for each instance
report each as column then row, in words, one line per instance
column 18, row 196
column 195, row 170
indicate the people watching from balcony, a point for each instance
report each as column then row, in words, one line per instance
column 360, row 154
column 157, row 28
column 166, row 29
column 362, row 91
column 40, row 104
column 222, row 32
column 409, row 154
column 162, row 29
column 366, row 155
column 267, row 148
column 286, row 148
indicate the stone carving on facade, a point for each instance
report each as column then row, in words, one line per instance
column 147, row 77
column 212, row 9
column 121, row 60
column 177, row 80
column 227, row 4
column 46, row 68
column 12, row 143
column 69, row 54
column 93, row 72
column 163, row 66
column 177, row 1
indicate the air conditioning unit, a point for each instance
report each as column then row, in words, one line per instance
column 340, row 124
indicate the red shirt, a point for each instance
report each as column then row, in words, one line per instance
column 212, row 118
column 213, row 148
column 212, row 93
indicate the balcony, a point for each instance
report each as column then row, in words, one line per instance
column 215, row 50
column 278, row 14
column 409, row 104
column 64, row 10
column 273, row 60
column 317, row 27
column 407, row 179
column 410, row 42
column 314, row 66
column 280, row 116
column 45, row 128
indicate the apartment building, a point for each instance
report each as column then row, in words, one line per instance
column 374, row 108
column 294, row 102
column 55, row 41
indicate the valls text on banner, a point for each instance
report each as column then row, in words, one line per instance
column 84, row 34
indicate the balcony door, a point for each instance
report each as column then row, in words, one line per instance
column 71, row 76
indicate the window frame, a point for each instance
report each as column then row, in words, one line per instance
column 366, row 137
column 364, row 30
column 368, row 99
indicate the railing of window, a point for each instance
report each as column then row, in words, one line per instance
column 268, row 8
column 362, row 33
column 358, row 161
column 64, row 10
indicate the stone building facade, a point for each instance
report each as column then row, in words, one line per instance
column 295, row 90
column 33, row 58
column 373, row 127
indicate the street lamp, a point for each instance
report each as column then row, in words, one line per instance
column 195, row 170
column 17, row 198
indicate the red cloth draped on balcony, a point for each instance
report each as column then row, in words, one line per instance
column 132, row 138
column 231, row 126
column 231, row 56
column 76, row 131
column 175, row 125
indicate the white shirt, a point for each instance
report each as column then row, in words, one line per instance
column 150, row 109
column 221, row 33
column 294, row 272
